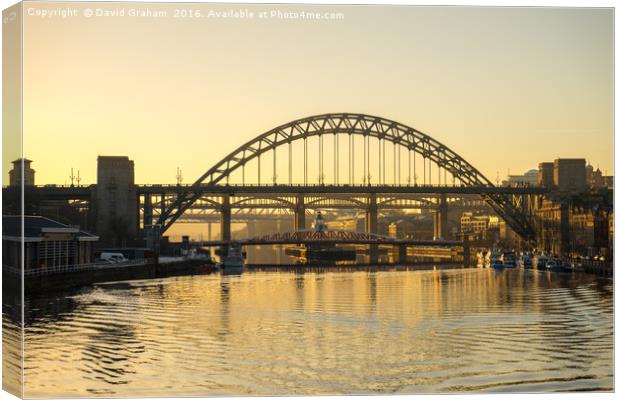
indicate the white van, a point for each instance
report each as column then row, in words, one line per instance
column 114, row 257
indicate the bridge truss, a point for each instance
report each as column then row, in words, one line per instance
column 252, row 208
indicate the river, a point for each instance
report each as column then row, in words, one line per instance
column 331, row 331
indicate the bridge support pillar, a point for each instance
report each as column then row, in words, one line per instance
column 162, row 205
column 372, row 217
column 402, row 253
column 300, row 213
column 440, row 218
column 148, row 210
column 525, row 205
column 372, row 226
column 226, row 220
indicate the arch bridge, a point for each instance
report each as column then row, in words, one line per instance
column 342, row 160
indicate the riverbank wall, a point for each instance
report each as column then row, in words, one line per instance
column 65, row 280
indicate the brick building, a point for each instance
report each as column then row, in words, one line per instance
column 580, row 225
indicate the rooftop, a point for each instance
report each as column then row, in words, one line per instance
column 35, row 226
column 20, row 160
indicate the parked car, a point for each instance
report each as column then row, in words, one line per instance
column 114, row 257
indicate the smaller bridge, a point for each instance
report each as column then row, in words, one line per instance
column 331, row 237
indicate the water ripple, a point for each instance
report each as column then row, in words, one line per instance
column 330, row 332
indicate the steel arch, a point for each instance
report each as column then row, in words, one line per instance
column 415, row 203
column 246, row 202
column 319, row 202
column 353, row 124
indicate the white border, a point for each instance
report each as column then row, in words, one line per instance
column 514, row 3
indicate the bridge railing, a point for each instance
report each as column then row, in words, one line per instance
column 241, row 185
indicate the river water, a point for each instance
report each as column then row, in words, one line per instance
column 324, row 332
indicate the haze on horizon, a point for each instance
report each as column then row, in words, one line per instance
column 506, row 88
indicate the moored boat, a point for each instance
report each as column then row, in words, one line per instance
column 509, row 260
column 233, row 262
column 556, row 265
column 496, row 260
column 525, row 261
column 540, row 261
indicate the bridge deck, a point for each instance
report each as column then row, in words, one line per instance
column 395, row 242
column 85, row 191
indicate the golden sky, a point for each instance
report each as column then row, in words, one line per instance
column 506, row 88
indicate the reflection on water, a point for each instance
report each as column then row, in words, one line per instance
column 11, row 338
column 334, row 332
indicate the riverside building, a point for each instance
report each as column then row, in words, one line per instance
column 47, row 243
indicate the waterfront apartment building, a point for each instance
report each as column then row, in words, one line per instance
column 47, row 243
column 580, row 225
column 552, row 226
column 15, row 175
column 478, row 225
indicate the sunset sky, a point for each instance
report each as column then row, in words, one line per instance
column 506, row 88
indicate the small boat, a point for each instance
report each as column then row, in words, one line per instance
column 509, row 260
column 525, row 260
column 557, row 266
column 575, row 267
column 233, row 262
column 496, row 260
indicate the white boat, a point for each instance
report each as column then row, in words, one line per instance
column 233, row 262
